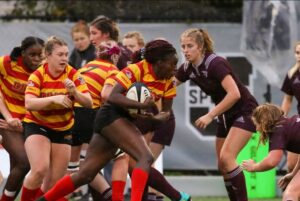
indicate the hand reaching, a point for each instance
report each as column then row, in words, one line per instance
column 248, row 165
column 12, row 124
column 285, row 180
column 204, row 121
column 70, row 86
column 149, row 103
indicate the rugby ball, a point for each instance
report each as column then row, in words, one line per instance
column 138, row 91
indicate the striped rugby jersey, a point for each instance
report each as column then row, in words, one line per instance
column 14, row 76
column 143, row 72
column 42, row 84
column 95, row 73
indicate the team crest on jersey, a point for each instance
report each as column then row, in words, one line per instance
column 128, row 73
column 81, row 80
column 30, row 83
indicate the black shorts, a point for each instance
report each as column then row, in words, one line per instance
column 84, row 125
column 107, row 114
column 59, row 137
column 163, row 132
column 242, row 121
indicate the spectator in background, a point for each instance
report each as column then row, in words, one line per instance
column 50, row 93
column 133, row 41
column 291, row 88
column 15, row 70
column 84, row 50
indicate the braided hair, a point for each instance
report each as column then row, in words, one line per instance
column 25, row 44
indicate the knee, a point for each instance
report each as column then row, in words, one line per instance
column 148, row 159
column 39, row 173
column 224, row 161
column 289, row 195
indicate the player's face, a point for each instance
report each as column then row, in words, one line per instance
column 166, row 68
column 297, row 53
column 131, row 44
column 81, row 41
column 96, row 36
column 33, row 56
column 58, row 59
column 191, row 50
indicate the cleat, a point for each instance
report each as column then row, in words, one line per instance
column 185, row 197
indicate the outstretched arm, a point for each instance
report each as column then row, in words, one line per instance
column 271, row 161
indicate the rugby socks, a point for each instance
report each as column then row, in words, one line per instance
column 118, row 190
column 107, row 194
column 158, row 182
column 39, row 193
column 73, row 166
column 29, row 194
column 138, row 182
column 62, row 188
column 8, row 195
column 236, row 185
column 104, row 196
column 159, row 198
column 151, row 196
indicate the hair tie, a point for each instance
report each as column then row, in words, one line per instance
column 114, row 50
column 142, row 50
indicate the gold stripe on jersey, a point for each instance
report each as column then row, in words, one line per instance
column 14, row 76
column 42, row 84
column 143, row 72
column 95, row 73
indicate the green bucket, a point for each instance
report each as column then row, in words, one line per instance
column 259, row 184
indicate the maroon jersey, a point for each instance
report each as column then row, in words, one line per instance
column 209, row 75
column 291, row 86
column 286, row 135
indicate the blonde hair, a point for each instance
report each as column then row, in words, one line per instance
column 296, row 67
column 135, row 34
column 201, row 37
column 80, row 27
column 266, row 116
column 51, row 42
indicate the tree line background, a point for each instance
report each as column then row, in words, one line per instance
column 128, row 10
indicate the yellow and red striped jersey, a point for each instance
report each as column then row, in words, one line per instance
column 14, row 76
column 42, row 84
column 95, row 73
column 143, row 72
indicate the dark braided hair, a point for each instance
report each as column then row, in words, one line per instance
column 26, row 43
column 106, row 25
column 154, row 51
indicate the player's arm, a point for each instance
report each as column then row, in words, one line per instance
column 3, row 108
column 231, row 97
column 177, row 82
column 33, row 103
column 286, row 103
column 271, row 161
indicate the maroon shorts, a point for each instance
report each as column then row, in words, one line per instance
column 163, row 132
column 225, row 123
